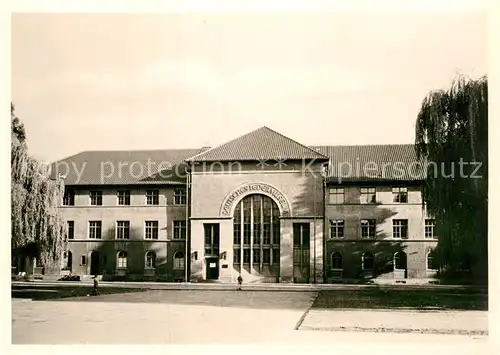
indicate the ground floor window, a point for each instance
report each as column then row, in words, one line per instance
column 337, row 262
column 431, row 261
column 122, row 260
column 256, row 231
column 179, row 260
column 367, row 260
column 150, row 260
column 400, row 260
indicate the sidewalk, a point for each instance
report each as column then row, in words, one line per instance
column 398, row 321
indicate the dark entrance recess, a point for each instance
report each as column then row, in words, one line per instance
column 94, row 263
column 301, row 261
column 212, row 268
column 212, row 242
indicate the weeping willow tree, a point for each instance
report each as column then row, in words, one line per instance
column 37, row 227
column 452, row 136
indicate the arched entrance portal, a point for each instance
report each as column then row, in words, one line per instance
column 256, row 236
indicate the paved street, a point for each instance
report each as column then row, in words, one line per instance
column 193, row 317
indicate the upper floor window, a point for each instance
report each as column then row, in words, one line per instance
column 179, row 196
column 95, row 229
column 429, row 228
column 400, row 194
column 337, row 228
column 71, row 229
column 69, row 197
column 336, row 196
column 368, row 227
column 95, row 197
column 123, row 197
column 368, row 195
column 179, row 229
column 400, row 228
column 122, row 229
column 151, row 230
column 152, row 197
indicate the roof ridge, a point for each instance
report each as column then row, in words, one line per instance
column 363, row 145
column 293, row 140
column 220, row 145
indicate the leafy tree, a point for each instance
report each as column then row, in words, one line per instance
column 37, row 227
column 452, row 137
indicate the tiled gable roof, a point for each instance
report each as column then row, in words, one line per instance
column 373, row 162
column 124, row 167
column 263, row 143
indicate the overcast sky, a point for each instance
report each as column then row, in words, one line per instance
column 132, row 81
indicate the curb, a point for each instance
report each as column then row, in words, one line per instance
column 230, row 286
column 399, row 330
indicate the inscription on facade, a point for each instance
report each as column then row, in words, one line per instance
column 256, row 188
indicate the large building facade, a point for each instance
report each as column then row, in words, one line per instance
column 262, row 205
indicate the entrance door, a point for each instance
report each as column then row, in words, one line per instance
column 94, row 263
column 212, row 268
column 69, row 265
column 301, row 252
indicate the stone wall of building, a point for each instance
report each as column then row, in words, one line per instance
column 136, row 246
column 383, row 246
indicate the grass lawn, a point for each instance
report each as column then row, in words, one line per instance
column 40, row 293
column 386, row 298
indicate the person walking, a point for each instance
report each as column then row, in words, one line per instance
column 240, row 281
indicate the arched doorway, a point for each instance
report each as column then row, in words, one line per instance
column 94, row 263
column 256, row 236
column 400, row 265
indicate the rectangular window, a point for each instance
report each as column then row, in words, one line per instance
column 83, row 260
column 69, row 197
column 368, row 227
column 179, row 196
column 266, row 256
column 152, row 197
column 267, row 233
column 400, row 228
column 95, row 229
column 212, row 239
column 237, row 256
column 368, row 195
column 246, row 233
column 337, row 228
column 400, row 194
column 122, row 229
column 179, row 230
column 256, row 256
column 95, row 198
column 429, row 228
column 336, row 196
column 256, row 234
column 71, row 229
column 123, row 197
column 276, row 256
column 246, row 256
column 237, row 233
column 151, row 230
